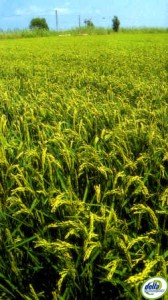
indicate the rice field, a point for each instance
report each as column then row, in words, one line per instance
column 83, row 166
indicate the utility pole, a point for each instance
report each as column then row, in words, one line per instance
column 56, row 16
column 79, row 21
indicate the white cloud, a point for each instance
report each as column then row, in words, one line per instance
column 67, row 3
column 98, row 11
column 62, row 10
column 32, row 10
column 29, row 10
column 20, row 12
column 41, row 11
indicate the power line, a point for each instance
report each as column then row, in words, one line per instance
column 62, row 21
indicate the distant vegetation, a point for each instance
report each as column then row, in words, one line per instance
column 88, row 23
column 115, row 24
column 38, row 23
column 90, row 30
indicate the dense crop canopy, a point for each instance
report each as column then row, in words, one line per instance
column 83, row 166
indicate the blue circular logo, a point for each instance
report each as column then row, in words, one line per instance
column 154, row 288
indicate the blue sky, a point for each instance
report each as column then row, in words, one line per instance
column 16, row 14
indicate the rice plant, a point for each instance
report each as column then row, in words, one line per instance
column 83, row 166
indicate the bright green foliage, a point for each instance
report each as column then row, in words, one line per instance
column 83, row 166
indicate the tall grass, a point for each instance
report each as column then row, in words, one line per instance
column 26, row 33
column 83, row 166
column 83, row 30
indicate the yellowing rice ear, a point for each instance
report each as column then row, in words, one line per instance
column 83, row 165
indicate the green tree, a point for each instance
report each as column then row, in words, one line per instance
column 88, row 23
column 115, row 24
column 38, row 23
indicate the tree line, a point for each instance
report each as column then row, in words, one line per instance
column 41, row 23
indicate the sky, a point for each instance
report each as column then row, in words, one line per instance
column 17, row 14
